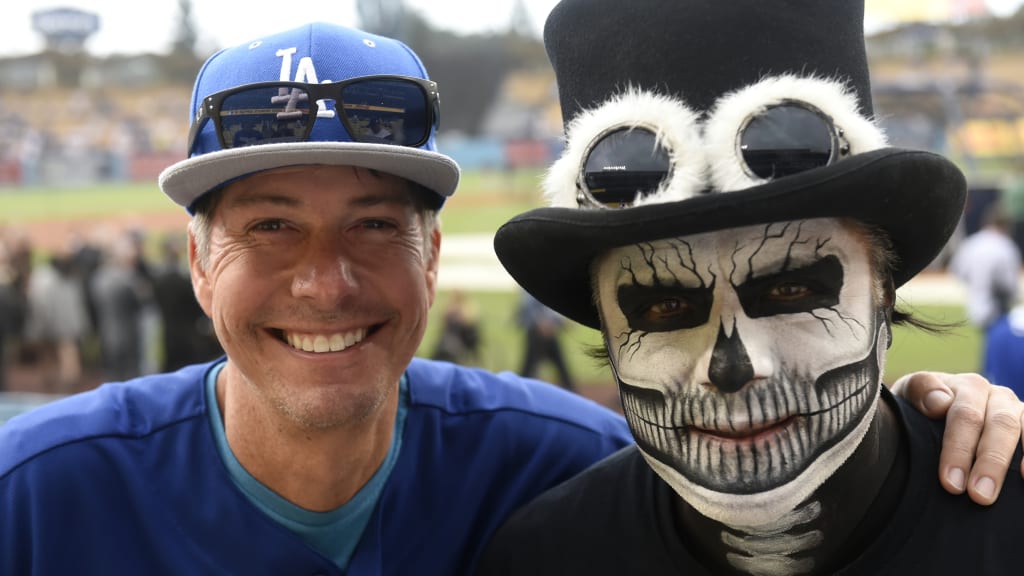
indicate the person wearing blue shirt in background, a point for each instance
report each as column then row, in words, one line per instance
column 318, row 444
column 1004, row 351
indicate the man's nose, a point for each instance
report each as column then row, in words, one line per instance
column 325, row 272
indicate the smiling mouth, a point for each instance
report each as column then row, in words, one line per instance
column 323, row 343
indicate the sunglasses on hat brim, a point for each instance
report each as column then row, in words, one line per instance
column 384, row 109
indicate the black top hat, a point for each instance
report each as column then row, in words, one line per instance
column 700, row 81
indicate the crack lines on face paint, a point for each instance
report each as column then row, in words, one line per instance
column 629, row 346
column 849, row 321
column 666, row 269
column 767, row 236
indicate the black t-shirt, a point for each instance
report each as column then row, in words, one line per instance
column 617, row 518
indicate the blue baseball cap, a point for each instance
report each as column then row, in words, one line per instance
column 314, row 53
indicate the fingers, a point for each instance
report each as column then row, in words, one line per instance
column 984, row 424
column 999, row 438
column 965, row 421
column 926, row 391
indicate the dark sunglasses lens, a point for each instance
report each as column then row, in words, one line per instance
column 387, row 111
column 265, row 115
column 624, row 165
column 787, row 139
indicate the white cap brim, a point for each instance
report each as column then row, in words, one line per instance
column 189, row 179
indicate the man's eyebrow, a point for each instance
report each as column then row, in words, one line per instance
column 258, row 198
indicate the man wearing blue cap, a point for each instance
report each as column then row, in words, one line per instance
column 318, row 444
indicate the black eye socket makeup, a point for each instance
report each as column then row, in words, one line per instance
column 802, row 290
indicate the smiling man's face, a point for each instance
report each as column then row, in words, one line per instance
column 748, row 359
column 319, row 284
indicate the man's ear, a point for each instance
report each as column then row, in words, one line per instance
column 200, row 279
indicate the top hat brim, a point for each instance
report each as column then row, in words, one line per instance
column 915, row 197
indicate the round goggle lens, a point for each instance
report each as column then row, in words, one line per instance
column 787, row 139
column 624, row 165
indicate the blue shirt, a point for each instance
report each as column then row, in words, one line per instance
column 127, row 479
column 1004, row 351
column 334, row 533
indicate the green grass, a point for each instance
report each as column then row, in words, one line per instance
column 956, row 349
column 35, row 204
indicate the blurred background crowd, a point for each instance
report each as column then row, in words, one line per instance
column 96, row 309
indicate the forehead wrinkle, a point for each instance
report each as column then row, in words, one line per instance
column 249, row 199
column 270, row 198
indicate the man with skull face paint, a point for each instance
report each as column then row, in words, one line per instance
column 736, row 226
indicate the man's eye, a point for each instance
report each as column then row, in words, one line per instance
column 666, row 309
column 790, row 292
column 380, row 224
column 795, row 291
column 268, row 226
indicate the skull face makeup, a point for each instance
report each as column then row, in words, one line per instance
column 749, row 360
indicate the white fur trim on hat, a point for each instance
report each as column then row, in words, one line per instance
column 676, row 127
column 703, row 156
column 733, row 110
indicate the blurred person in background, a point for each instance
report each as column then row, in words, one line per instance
column 120, row 293
column 56, row 322
column 542, row 328
column 1004, row 351
column 988, row 263
column 86, row 257
column 149, row 315
column 187, row 333
column 319, row 444
column 459, row 340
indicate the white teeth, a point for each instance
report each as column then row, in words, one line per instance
column 321, row 343
column 337, row 342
